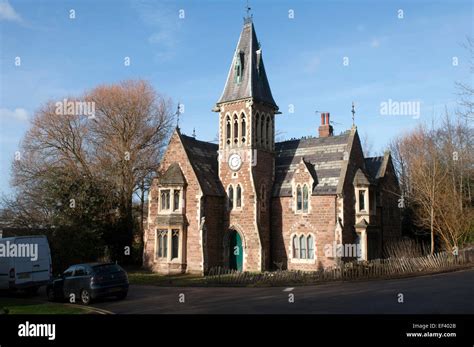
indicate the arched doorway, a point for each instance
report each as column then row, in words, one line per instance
column 236, row 251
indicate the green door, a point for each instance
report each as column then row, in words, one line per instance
column 235, row 251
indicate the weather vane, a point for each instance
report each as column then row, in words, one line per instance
column 178, row 112
column 353, row 113
column 248, row 9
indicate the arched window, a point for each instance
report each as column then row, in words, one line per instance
column 270, row 134
column 230, row 193
column 267, row 132
column 262, row 131
column 238, row 200
column 174, row 243
column 302, row 247
column 176, row 198
column 243, row 130
column 227, row 130
column 299, row 198
column 310, row 247
column 305, row 198
column 257, row 129
column 238, row 70
column 162, row 243
column 236, row 129
column 296, row 247
column 263, row 197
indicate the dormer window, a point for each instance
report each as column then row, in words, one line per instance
column 305, row 198
column 165, row 199
column 170, row 200
column 302, row 198
column 176, row 198
column 299, row 199
column 362, row 201
column 238, row 69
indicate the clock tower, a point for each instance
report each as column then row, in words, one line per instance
column 246, row 156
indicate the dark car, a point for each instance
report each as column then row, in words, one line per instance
column 86, row 282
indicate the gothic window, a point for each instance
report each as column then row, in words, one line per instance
column 238, row 70
column 299, row 198
column 257, row 129
column 267, row 132
column 310, row 247
column 176, row 197
column 227, row 130
column 236, row 129
column 296, row 247
column 174, row 243
column 361, row 200
column 262, row 131
column 243, row 130
column 238, row 202
column 270, row 133
column 263, row 196
column 230, row 194
column 302, row 247
column 305, row 198
column 162, row 243
column 165, row 199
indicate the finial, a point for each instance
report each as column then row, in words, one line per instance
column 248, row 18
column 353, row 113
column 194, row 132
column 178, row 112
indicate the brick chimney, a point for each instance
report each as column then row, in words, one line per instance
column 325, row 129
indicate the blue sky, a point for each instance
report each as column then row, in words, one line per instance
column 187, row 59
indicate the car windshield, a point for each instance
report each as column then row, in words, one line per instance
column 106, row 268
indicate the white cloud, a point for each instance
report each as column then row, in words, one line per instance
column 8, row 13
column 18, row 114
column 377, row 41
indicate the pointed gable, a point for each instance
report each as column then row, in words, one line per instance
column 173, row 176
column 323, row 157
column 247, row 77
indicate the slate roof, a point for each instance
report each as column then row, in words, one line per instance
column 203, row 158
column 360, row 178
column 173, row 175
column 376, row 166
column 324, row 154
column 254, row 82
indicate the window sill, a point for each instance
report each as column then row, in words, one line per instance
column 167, row 261
column 303, row 261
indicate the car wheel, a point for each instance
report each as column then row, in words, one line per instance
column 50, row 294
column 85, row 297
column 122, row 295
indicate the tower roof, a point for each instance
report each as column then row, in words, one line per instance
column 247, row 77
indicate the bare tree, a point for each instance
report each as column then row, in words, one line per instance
column 107, row 157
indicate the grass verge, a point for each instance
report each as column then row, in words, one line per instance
column 25, row 305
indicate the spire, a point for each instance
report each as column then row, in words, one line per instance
column 247, row 77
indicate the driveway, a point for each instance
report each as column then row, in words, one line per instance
column 448, row 293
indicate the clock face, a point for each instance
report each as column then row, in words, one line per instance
column 235, row 162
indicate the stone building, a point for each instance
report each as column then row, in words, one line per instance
column 253, row 204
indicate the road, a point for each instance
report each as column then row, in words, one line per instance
column 448, row 293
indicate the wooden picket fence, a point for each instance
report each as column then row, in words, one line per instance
column 379, row 268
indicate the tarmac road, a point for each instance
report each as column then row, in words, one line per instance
column 447, row 293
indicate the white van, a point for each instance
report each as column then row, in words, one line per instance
column 25, row 263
